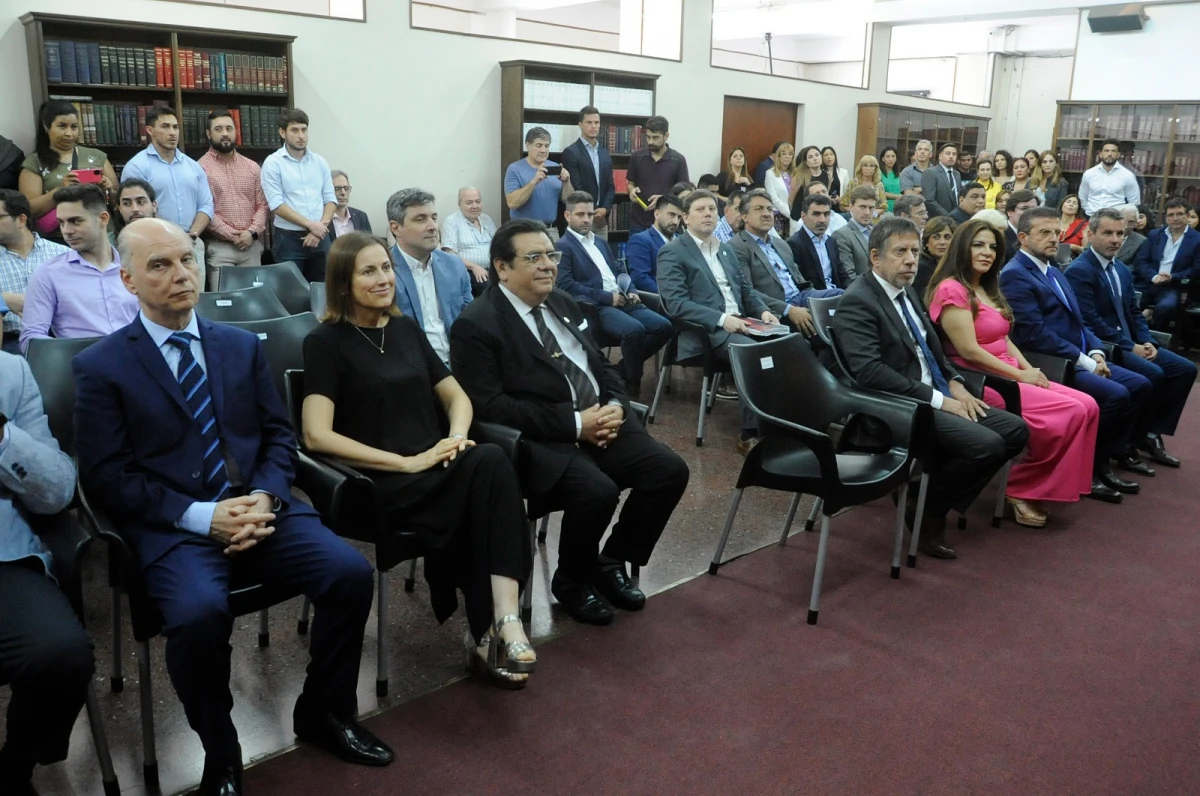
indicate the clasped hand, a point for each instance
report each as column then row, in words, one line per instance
column 601, row 423
column 1035, row 377
column 963, row 404
column 239, row 523
column 442, row 453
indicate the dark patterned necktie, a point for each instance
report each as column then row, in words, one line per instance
column 194, row 384
column 585, row 393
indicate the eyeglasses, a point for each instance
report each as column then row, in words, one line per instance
column 338, row 189
column 534, row 258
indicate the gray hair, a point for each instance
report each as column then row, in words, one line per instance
column 1127, row 208
column 399, row 202
column 333, row 175
column 1111, row 213
column 757, row 193
column 906, row 204
column 1025, row 222
column 466, row 188
column 924, row 141
column 887, row 228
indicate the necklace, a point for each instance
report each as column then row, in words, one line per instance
column 382, row 338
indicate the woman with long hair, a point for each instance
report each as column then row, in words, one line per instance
column 808, row 169
column 1032, row 157
column 735, row 178
column 1020, row 178
column 867, row 173
column 1194, row 218
column 779, row 181
column 378, row 397
column 1002, row 200
column 1145, row 220
column 991, row 188
column 890, row 175
column 1002, row 166
column 1072, row 226
column 1048, row 182
column 836, row 174
column 965, row 300
column 935, row 242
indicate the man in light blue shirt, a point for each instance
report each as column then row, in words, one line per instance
column 299, row 189
column 534, row 185
column 731, row 221
column 21, row 252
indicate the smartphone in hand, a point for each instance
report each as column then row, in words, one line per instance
column 88, row 175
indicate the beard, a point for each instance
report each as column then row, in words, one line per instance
column 224, row 147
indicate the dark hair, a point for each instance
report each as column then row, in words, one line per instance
column 735, row 200
column 578, row 198
column 291, row 116
column 1079, row 205
column 135, row 182
column 503, row 247
column 965, row 153
column 1019, row 197
column 1025, row 222
column 825, row 149
column 657, row 124
column 1143, row 210
column 696, row 196
column 536, row 134
column 957, row 265
column 1112, row 141
column 669, row 200
column 15, row 204
column 755, row 193
column 1175, row 201
column 862, row 192
column 895, row 152
column 399, row 202
column 906, row 204
column 815, row 199
column 157, row 112
column 587, row 110
column 89, row 194
column 217, row 113
column 932, row 227
column 1111, row 213
column 948, row 145
column 1024, row 160
column 1008, row 160
column 681, row 187
column 339, row 276
column 50, row 110
column 970, row 186
column 707, row 179
column 888, row 227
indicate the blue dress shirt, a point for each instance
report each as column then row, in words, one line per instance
column 181, row 185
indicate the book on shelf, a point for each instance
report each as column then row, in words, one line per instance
column 553, row 95
column 622, row 139
column 620, row 181
column 624, row 101
column 561, row 135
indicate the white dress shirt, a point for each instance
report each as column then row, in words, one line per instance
column 898, row 296
column 1085, row 361
column 1170, row 251
column 1099, row 188
column 434, row 327
column 822, row 254
column 709, row 250
column 607, row 278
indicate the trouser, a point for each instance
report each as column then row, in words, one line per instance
column 1171, row 378
column 600, row 229
column 1121, row 399
column 552, row 231
column 1165, row 301
column 222, row 253
column 967, row 454
column 12, row 342
column 46, row 656
column 640, row 331
column 287, row 245
column 749, row 419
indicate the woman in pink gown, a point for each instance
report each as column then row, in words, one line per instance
column 965, row 300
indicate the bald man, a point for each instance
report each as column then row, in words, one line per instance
column 183, row 439
column 468, row 233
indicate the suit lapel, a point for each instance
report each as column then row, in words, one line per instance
column 147, row 353
column 517, row 328
column 210, row 341
column 892, row 313
column 757, row 252
column 698, row 260
column 404, row 281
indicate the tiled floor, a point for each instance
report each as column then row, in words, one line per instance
column 423, row 655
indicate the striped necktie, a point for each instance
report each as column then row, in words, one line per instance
column 194, row 384
column 585, row 393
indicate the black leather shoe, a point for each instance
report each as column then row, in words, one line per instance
column 1112, row 481
column 225, row 783
column 582, row 602
column 618, row 589
column 345, row 738
column 1154, row 448
column 633, row 389
column 937, row 550
column 1102, row 492
column 933, row 540
column 1134, row 465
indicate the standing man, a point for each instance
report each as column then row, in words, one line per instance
column 641, row 252
column 22, row 251
column 1170, row 255
column 814, row 250
column 1018, row 204
column 942, row 185
column 240, row 208
column 852, row 239
column 966, row 164
column 652, row 172
column 592, row 167
column 345, row 218
column 731, row 219
column 299, row 190
column 1108, row 183
column 135, row 199
column 468, row 233
column 912, row 175
column 534, row 185
column 184, row 197
column 972, row 198
column 912, row 206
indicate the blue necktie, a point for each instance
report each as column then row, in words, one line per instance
column 194, row 384
column 1057, row 288
column 935, row 372
column 1110, row 272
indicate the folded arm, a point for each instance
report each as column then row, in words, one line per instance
column 32, row 467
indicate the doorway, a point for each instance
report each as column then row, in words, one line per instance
column 756, row 125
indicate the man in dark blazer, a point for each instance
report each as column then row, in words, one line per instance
column 703, row 287
column 521, row 354
column 1169, row 255
column 345, row 218
column 1018, row 203
column 591, row 167
column 1047, row 320
column 1104, row 288
column 972, row 199
column 183, row 439
column 604, row 290
column 941, row 184
column 822, row 271
column 641, row 252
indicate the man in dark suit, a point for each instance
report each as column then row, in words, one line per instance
column 1104, row 288
column 815, row 251
column 971, row 200
column 941, row 185
column 521, row 354
column 345, row 218
column 889, row 344
column 183, row 439
column 1047, row 320
column 765, row 165
column 591, row 166
column 703, row 287
column 1133, row 239
column 1018, row 203
column 641, row 252
column 604, row 290
column 852, row 239
column 1169, row 255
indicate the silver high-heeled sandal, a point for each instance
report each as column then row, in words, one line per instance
column 511, row 649
column 487, row 668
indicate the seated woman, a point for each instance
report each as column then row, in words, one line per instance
column 965, row 300
column 375, row 401
column 935, row 241
column 1072, row 225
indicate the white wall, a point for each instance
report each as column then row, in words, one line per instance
column 1156, row 63
column 1028, row 88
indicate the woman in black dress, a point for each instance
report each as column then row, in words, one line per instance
column 378, row 398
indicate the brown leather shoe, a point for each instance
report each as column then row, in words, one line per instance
column 933, row 539
column 744, row 445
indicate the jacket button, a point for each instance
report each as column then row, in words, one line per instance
column 196, row 474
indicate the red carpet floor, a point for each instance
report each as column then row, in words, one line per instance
column 1060, row 661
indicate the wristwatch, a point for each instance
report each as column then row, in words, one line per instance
column 254, row 235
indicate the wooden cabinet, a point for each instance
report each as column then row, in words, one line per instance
column 881, row 126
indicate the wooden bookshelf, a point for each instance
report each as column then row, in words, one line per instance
column 625, row 100
column 1160, row 143
column 194, row 70
column 881, row 126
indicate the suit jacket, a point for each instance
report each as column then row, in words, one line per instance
column 1129, row 250
column 578, row 274
column 450, row 279
column 578, row 164
column 805, row 255
column 937, row 190
column 141, row 455
column 1187, row 259
column 959, row 215
column 1042, row 322
column 758, row 273
column 690, row 292
column 1114, row 319
column 641, row 257
column 1012, row 243
column 358, row 218
column 877, row 346
column 852, row 249
column 511, row 379
column 35, row 476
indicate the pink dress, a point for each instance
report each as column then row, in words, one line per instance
column 1062, row 422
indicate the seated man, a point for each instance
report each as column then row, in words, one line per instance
column 468, row 234
column 1047, row 320
column 44, row 652
column 836, row 220
column 971, row 200
column 1104, row 288
column 432, row 286
column 521, row 355
column 912, row 206
column 345, row 218
column 78, row 294
column 702, row 285
column 22, row 251
column 851, row 240
column 731, row 219
column 889, row 344
column 1169, row 255
column 602, row 288
column 184, row 441
column 135, row 199
column 1133, row 239
column 813, row 247
column 1018, row 202
column 641, row 252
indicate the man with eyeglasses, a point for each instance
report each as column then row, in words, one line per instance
column 522, row 354
column 21, row 252
column 346, row 218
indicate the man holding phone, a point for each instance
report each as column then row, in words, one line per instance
column 534, row 185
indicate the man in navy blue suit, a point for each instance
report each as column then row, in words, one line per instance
column 591, row 166
column 1104, row 288
column 814, row 250
column 1169, row 256
column 641, row 252
column 183, row 439
column 604, row 290
column 1047, row 320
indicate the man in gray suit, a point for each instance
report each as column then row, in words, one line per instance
column 851, row 239
column 701, row 285
column 941, row 185
column 1133, row 238
column 44, row 652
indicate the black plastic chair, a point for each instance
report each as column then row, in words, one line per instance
column 316, row 302
column 248, row 304
column 284, row 279
column 805, row 410
column 283, row 344
column 714, row 368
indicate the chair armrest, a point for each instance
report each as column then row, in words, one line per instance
column 323, row 485
column 1057, row 369
column 973, row 379
column 1008, row 389
column 652, row 301
column 909, row 421
column 1161, row 339
column 506, row 437
column 639, row 410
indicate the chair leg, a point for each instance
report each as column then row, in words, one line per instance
column 302, row 624
column 917, row 519
column 410, row 581
column 149, row 752
column 998, row 514
column 791, row 515
column 814, row 603
column 814, row 514
column 109, row 777
column 658, row 391
column 703, row 403
column 527, row 596
column 264, row 628
column 733, row 507
column 898, row 547
column 543, row 527
column 381, row 647
column 117, row 680
column 714, row 385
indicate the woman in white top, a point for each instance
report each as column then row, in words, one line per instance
column 779, row 185
column 839, row 178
